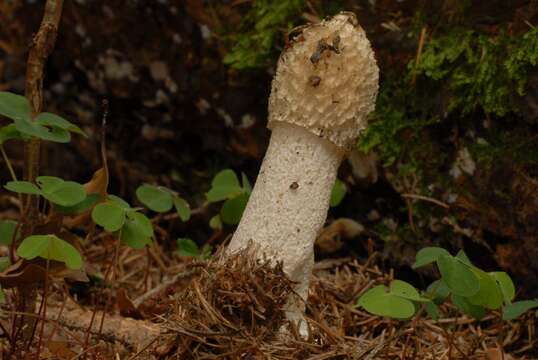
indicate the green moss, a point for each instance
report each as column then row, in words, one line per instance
column 480, row 71
column 254, row 42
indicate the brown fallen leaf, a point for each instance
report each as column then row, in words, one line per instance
column 330, row 238
column 97, row 185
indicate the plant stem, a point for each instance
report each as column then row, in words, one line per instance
column 8, row 163
column 11, row 172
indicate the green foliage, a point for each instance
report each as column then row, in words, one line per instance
column 161, row 199
column 480, row 70
column 187, row 247
column 154, row 198
column 50, row 247
column 14, row 106
column 137, row 230
column 46, row 126
column 471, row 290
column 116, row 215
column 84, row 205
column 9, row 132
column 55, row 190
column 338, row 193
column 225, row 186
column 4, row 263
column 518, row 308
column 254, row 41
column 396, row 302
column 7, row 230
column 109, row 215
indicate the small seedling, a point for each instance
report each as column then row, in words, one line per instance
column 187, row 247
column 116, row 215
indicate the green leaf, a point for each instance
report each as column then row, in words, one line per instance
column 23, row 187
column 463, row 258
column 505, row 284
column 7, row 229
column 516, row 309
column 88, row 202
column 247, row 188
column 379, row 302
column 338, row 193
column 109, row 216
column 58, row 135
column 50, row 247
column 183, row 208
column 4, row 263
column 119, row 202
column 476, row 311
column 458, row 276
column 30, row 128
column 14, row 106
column 438, row 291
column 137, row 231
column 233, row 209
column 433, row 310
column 428, row 255
column 405, row 290
column 60, row 192
column 48, row 182
column 9, row 132
column 2, row 296
column 187, row 247
column 154, row 198
column 54, row 120
column 225, row 185
column 215, row 222
column 489, row 295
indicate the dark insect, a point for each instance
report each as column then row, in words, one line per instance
column 294, row 185
column 316, row 56
column 323, row 46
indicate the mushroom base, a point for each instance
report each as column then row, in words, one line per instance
column 289, row 203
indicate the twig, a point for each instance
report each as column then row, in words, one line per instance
column 419, row 53
column 426, row 198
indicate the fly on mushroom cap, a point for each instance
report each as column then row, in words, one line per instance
column 327, row 82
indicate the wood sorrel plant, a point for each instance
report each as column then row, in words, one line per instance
column 58, row 201
column 472, row 290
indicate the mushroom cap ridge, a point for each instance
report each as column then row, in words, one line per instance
column 326, row 81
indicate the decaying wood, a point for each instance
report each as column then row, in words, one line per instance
column 134, row 334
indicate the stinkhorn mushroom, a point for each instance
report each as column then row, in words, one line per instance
column 325, row 86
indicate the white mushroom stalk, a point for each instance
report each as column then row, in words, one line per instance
column 325, row 86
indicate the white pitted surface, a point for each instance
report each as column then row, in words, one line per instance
column 337, row 107
column 290, row 199
column 325, row 86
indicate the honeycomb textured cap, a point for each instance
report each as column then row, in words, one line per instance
column 326, row 81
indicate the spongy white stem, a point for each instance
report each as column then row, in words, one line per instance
column 289, row 203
